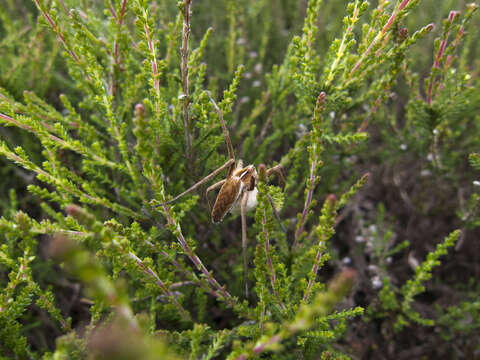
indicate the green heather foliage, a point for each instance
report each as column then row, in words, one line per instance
column 372, row 109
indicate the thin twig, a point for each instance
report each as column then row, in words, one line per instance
column 156, row 81
column 267, row 124
column 308, row 201
column 269, row 261
column 64, row 7
column 331, row 199
column 56, row 30
column 184, row 68
column 379, row 36
column 159, row 282
column 342, row 47
column 314, row 270
column 275, row 213
column 196, row 260
column 188, row 274
column 65, row 325
column 436, row 63
column 365, row 122
column 67, row 186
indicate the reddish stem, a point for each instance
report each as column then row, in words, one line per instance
column 113, row 12
column 438, row 58
column 311, row 281
column 160, row 283
column 331, row 199
column 64, row 7
column 196, row 260
column 365, row 122
column 262, row 346
column 57, row 31
column 380, row 35
column 122, row 11
column 185, row 271
column 308, row 201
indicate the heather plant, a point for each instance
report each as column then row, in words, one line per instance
column 105, row 117
column 389, row 305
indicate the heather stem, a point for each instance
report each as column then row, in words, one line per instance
column 269, row 260
column 342, row 47
column 186, row 272
column 156, row 81
column 184, row 68
column 323, row 304
column 159, row 282
column 122, row 11
column 65, row 326
column 314, row 270
column 67, row 186
column 196, row 261
column 380, row 35
column 119, row 19
column 64, row 144
column 438, row 57
column 56, row 30
column 365, row 122
column 325, row 231
column 308, row 201
column 64, row 7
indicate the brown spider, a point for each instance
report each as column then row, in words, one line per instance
column 238, row 191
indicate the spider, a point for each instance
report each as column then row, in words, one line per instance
column 238, row 191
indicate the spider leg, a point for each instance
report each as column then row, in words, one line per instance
column 226, row 134
column 278, row 170
column 244, row 239
column 201, row 182
column 213, row 187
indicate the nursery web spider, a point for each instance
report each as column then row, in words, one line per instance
column 238, row 191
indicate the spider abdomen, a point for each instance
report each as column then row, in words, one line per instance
column 227, row 196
